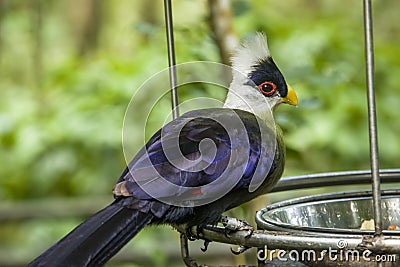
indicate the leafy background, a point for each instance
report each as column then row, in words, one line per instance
column 69, row 68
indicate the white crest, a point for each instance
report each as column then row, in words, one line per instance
column 250, row 52
column 242, row 95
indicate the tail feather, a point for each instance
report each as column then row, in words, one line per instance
column 97, row 239
column 129, row 230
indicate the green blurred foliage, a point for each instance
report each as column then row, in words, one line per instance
column 62, row 110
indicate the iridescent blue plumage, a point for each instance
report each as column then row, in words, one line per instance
column 196, row 126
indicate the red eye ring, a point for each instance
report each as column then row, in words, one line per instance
column 271, row 85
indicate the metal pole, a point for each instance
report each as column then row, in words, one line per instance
column 171, row 58
column 373, row 135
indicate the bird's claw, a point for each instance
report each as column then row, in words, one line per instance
column 234, row 225
column 240, row 250
column 199, row 229
column 250, row 232
column 193, row 237
column 206, row 243
column 190, row 235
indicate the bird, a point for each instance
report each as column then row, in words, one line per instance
column 195, row 167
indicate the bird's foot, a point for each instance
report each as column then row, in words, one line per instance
column 233, row 225
column 240, row 250
column 189, row 234
column 206, row 243
column 194, row 236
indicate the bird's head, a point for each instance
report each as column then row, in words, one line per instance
column 256, row 76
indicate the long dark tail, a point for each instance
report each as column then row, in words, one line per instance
column 97, row 239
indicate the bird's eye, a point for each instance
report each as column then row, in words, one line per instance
column 267, row 88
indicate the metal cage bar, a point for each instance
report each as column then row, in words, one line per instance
column 373, row 135
column 169, row 27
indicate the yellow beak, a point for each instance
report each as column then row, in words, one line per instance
column 291, row 97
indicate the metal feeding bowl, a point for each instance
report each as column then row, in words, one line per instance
column 339, row 222
column 350, row 213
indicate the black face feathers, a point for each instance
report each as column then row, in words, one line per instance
column 266, row 71
column 254, row 60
